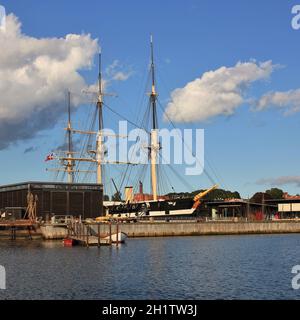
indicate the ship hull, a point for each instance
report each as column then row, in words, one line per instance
column 161, row 208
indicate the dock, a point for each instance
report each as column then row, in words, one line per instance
column 92, row 234
column 90, row 241
column 14, row 229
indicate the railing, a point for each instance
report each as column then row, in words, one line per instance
column 78, row 230
column 61, row 219
column 90, row 233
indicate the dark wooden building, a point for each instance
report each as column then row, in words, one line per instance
column 55, row 198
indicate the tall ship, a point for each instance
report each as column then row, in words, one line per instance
column 91, row 160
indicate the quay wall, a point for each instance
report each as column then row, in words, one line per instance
column 161, row 229
column 50, row 232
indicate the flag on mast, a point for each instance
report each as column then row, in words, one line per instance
column 50, row 157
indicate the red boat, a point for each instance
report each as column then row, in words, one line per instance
column 68, row 242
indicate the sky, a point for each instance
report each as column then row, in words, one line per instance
column 229, row 67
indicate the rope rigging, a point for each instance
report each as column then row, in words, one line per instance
column 130, row 174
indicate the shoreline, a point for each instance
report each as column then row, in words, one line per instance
column 163, row 229
column 169, row 229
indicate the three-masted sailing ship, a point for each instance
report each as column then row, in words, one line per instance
column 133, row 205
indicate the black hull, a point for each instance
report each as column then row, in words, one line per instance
column 177, row 207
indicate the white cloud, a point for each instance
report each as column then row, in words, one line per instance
column 115, row 72
column 288, row 101
column 121, row 76
column 280, row 181
column 34, row 77
column 218, row 92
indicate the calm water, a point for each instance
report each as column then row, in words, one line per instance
column 222, row 267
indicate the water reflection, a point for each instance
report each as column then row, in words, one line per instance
column 223, row 267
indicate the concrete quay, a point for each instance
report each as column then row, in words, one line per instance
column 164, row 229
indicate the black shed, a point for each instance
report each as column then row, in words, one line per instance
column 55, row 198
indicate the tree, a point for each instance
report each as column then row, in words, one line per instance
column 217, row 194
column 236, row 195
column 275, row 193
column 106, row 197
column 260, row 197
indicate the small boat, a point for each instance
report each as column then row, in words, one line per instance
column 68, row 242
column 119, row 237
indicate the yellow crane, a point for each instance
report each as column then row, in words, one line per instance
column 201, row 195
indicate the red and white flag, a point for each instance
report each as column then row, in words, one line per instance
column 50, row 157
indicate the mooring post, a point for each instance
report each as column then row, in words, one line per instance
column 87, row 235
column 117, row 233
column 13, row 232
column 29, row 233
column 99, row 235
column 110, row 240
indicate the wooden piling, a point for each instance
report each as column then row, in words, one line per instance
column 99, row 235
column 110, row 240
column 29, row 233
column 87, row 236
column 117, row 234
column 12, row 229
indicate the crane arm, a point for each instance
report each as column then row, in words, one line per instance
column 202, row 194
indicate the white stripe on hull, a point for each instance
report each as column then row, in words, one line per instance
column 183, row 211
column 158, row 213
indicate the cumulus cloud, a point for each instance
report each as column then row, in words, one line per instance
column 280, row 181
column 218, row 92
column 115, row 72
column 34, row 77
column 288, row 101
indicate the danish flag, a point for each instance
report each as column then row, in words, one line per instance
column 50, row 157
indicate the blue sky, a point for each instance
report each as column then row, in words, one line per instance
column 191, row 37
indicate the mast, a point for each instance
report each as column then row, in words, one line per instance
column 69, row 156
column 69, row 153
column 154, row 147
column 99, row 142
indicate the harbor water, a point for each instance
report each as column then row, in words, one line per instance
column 206, row 267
